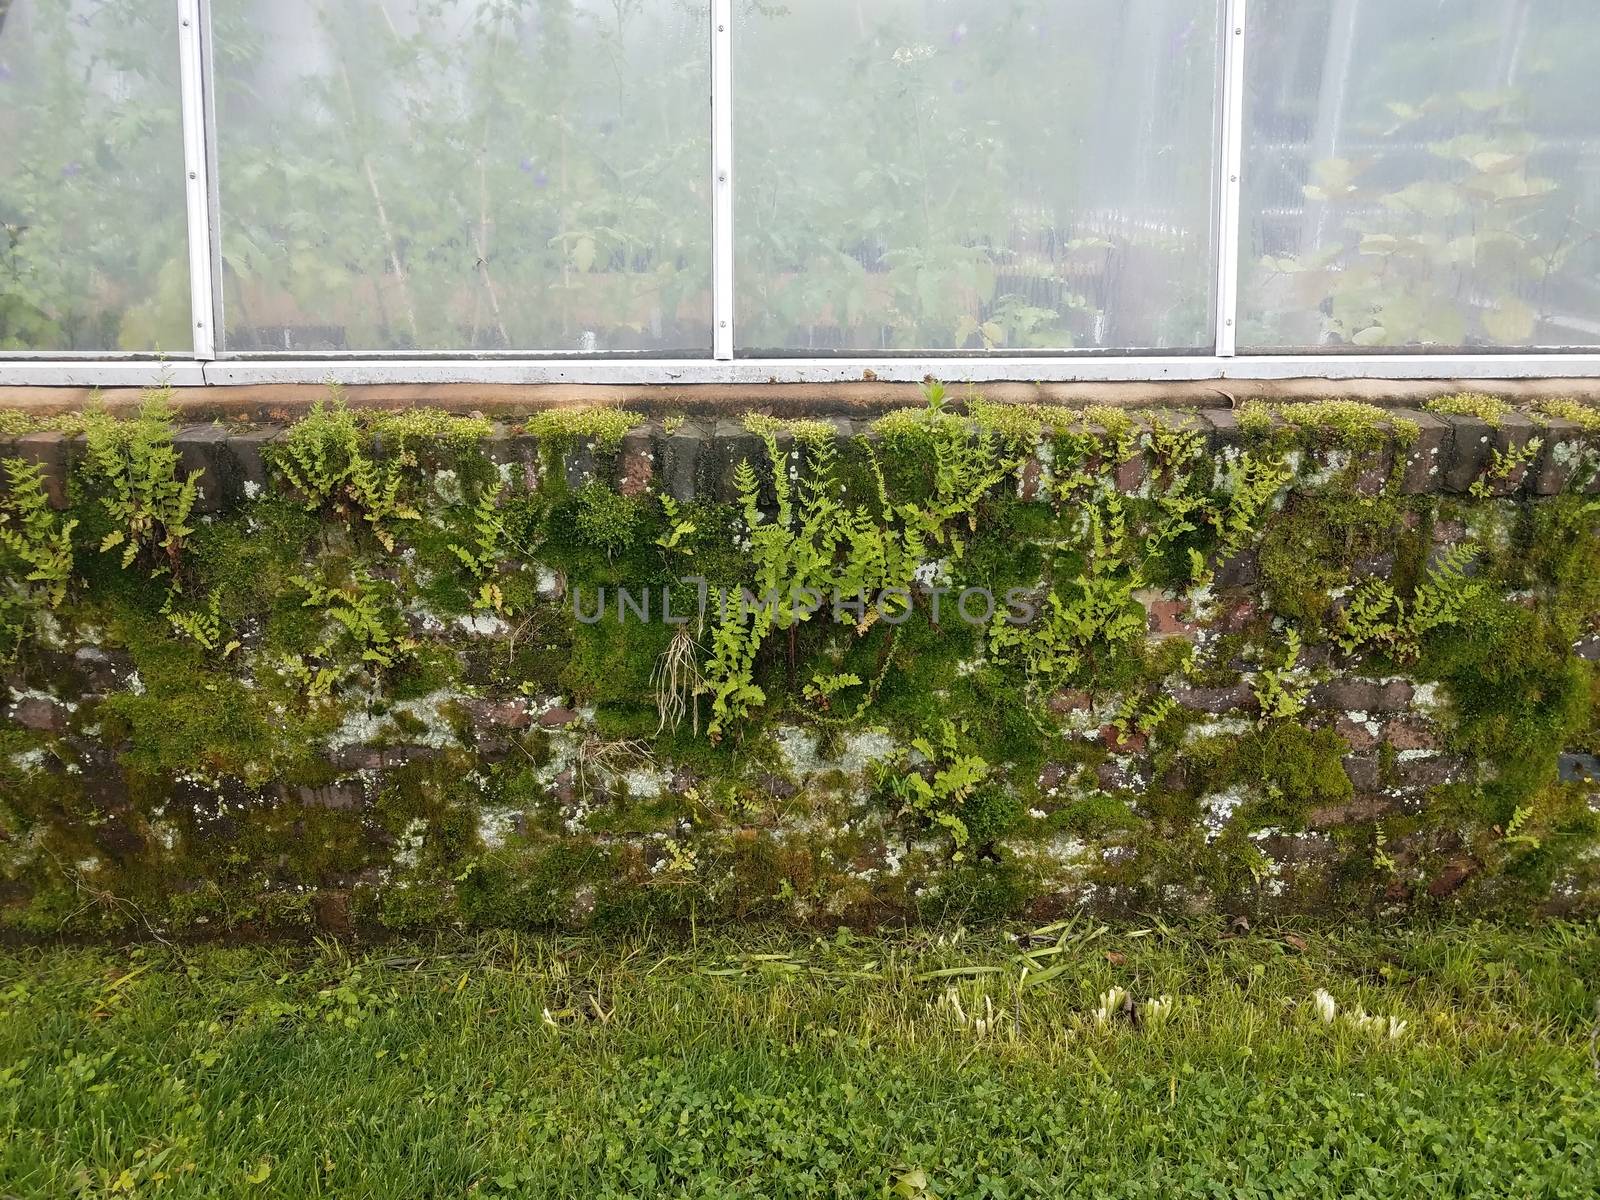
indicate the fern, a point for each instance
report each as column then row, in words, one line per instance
column 813, row 546
column 324, row 458
column 136, row 465
column 679, row 527
column 482, row 558
column 359, row 620
column 966, row 470
column 729, row 672
column 1375, row 615
column 1503, row 466
column 1094, row 613
column 35, row 535
column 1514, row 835
column 1251, row 486
column 1280, row 693
column 35, row 554
column 822, row 688
column 1138, row 716
column 937, row 792
column 205, row 627
column 1173, row 449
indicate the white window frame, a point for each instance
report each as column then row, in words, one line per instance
column 209, row 366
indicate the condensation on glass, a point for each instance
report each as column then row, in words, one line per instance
column 454, row 175
column 1421, row 175
column 976, row 174
column 93, row 248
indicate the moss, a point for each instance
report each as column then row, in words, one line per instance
column 1025, row 424
column 194, row 715
column 603, row 519
column 18, row 422
column 331, row 427
column 1116, row 422
column 1585, row 416
column 1286, row 769
column 249, row 563
column 979, row 893
column 534, row 885
column 1095, row 815
column 990, row 813
column 1470, row 404
column 1559, row 550
column 915, row 425
column 1312, row 547
column 557, row 428
column 802, row 429
column 1348, row 424
column 431, row 429
column 1518, row 696
column 611, row 662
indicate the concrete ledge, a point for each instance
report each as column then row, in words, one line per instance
column 284, row 401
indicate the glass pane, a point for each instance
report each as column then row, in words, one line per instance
column 1422, row 174
column 975, row 174
column 93, row 250
column 465, row 174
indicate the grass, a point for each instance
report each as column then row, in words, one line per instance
column 771, row 1066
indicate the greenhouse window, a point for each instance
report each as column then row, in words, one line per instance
column 675, row 191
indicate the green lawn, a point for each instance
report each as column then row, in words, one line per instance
column 773, row 1065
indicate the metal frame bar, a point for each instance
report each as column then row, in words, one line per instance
column 44, row 369
column 755, row 371
column 722, row 270
column 197, row 176
column 208, row 77
column 1229, row 177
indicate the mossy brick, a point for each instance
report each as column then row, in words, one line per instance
column 845, row 428
column 1372, row 466
column 1030, row 480
column 1353, row 694
column 1512, row 436
column 578, row 460
column 1235, row 698
column 1423, row 462
column 509, row 446
column 52, row 451
column 733, row 444
column 249, row 451
column 1239, row 570
column 1578, row 768
column 1477, row 444
column 1427, row 772
column 687, row 466
column 636, row 460
column 1223, row 430
column 1569, row 458
column 1471, row 452
column 205, row 449
column 1365, row 777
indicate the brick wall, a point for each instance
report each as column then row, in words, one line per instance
column 511, row 768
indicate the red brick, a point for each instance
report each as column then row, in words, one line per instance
column 1355, row 733
column 1412, row 733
